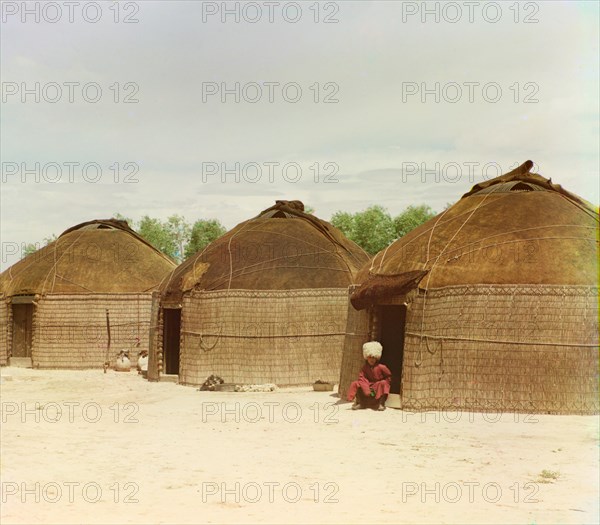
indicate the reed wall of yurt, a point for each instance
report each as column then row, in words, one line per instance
column 357, row 333
column 4, row 330
column 292, row 337
column 492, row 348
column 71, row 331
column 502, row 348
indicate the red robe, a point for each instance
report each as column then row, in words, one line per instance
column 376, row 377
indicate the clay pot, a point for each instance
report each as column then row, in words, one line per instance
column 142, row 364
column 123, row 363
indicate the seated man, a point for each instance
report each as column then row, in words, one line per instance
column 373, row 385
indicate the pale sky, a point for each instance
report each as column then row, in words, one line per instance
column 371, row 141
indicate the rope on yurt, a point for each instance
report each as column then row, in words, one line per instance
column 199, row 256
column 419, row 354
column 271, row 336
column 246, row 270
column 26, row 262
column 203, row 346
column 257, row 228
column 75, row 284
column 317, row 223
column 513, row 242
column 303, row 241
column 256, row 225
column 54, row 266
column 498, row 341
column 337, row 253
column 416, row 237
column 519, row 240
column 591, row 213
column 231, row 257
column 433, row 353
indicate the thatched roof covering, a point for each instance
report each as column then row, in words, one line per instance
column 99, row 256
column 518, row 228
column 282, row 248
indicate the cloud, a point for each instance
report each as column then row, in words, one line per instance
column 372, row 130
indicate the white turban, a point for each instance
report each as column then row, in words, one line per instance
column 372, row 349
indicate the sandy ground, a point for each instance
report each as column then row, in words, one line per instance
column 85, row 447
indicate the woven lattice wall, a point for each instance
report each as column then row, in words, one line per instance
column 70, row 330
column 357, row 333
column 4, row 331
column 504, row 348
column 501, row 348
column 290, row 337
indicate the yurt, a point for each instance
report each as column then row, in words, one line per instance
column 81, row 299
column 264, row 303
column 492, row 305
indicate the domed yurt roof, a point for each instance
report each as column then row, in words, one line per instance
column 518, row 228
column 282, row 248
column 99, row 256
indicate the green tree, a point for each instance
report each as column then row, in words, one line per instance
column 170, row 236
column 372, row 229
column 121, row 217
column 179, row 230
column 203, row 233
column 31, row 247
column 412, row 217
column 158, row 235
column 344, row 222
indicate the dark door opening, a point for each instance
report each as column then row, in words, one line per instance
column 171, row 334
column 393, row 319
column 22, row 330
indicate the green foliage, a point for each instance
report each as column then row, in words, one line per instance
column 203, row 232
column 412, row 217
column 179, row 230
column 166, row 236
column 120, row 217
column 344, row 222
column 372, row 229
column 175, row 237
column 157, row 233
column 31, row 247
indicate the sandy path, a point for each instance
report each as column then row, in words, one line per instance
column 285, row 457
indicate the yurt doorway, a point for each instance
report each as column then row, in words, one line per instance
column 22, row 329
column 171, row 331
column 393, row 319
